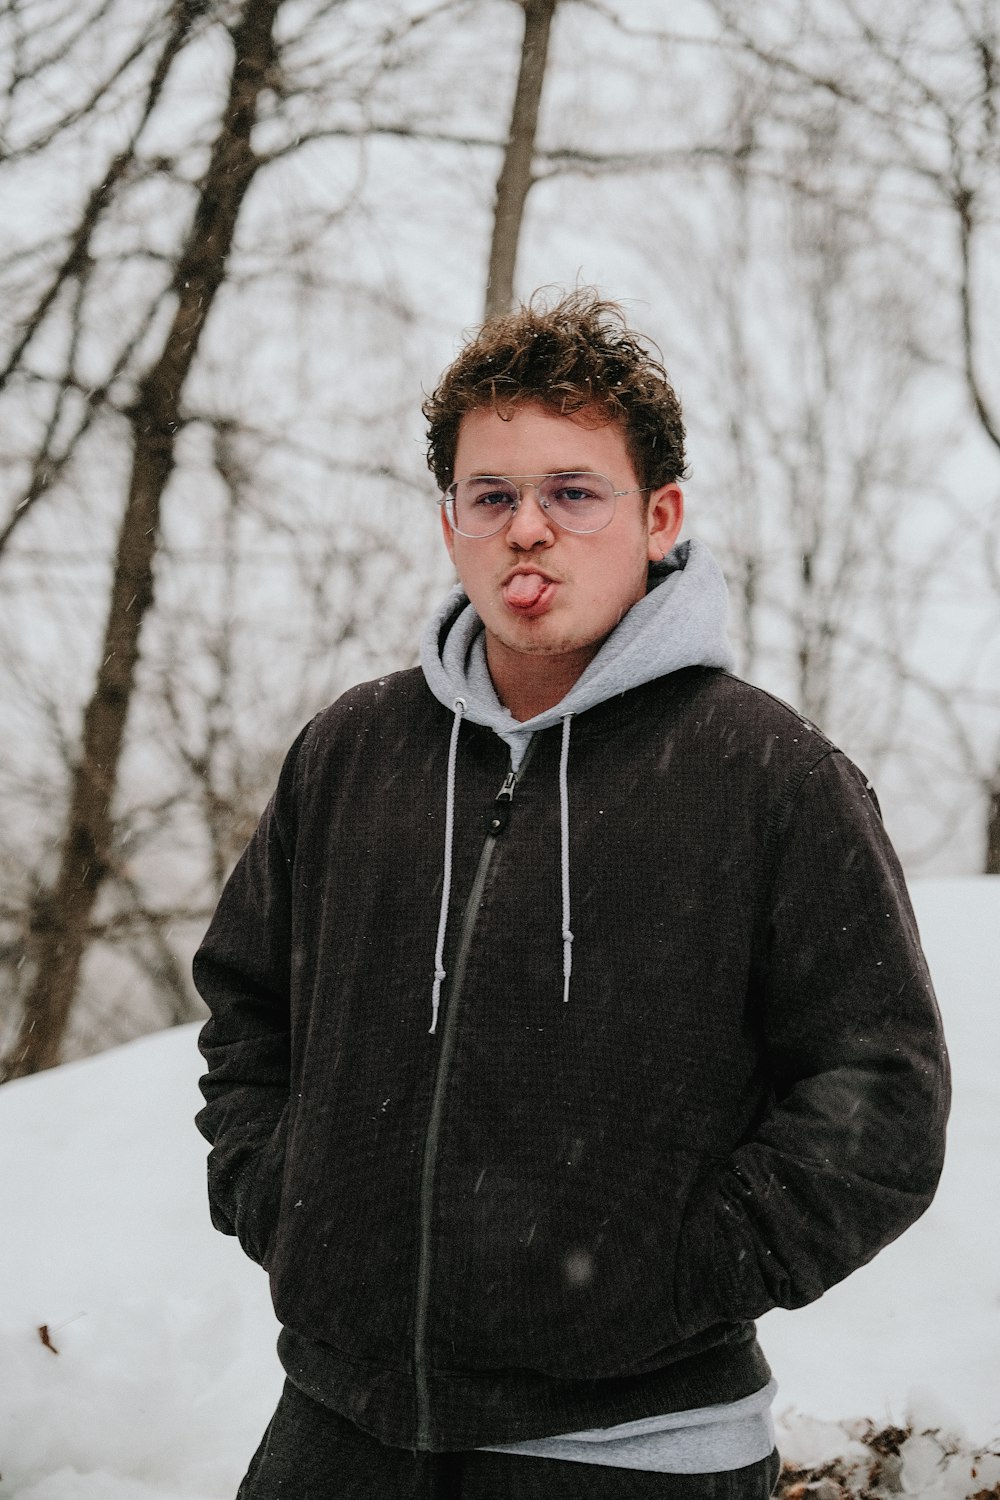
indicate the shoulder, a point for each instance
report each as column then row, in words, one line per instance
column 369, row 725
column 734, row 719
column 748, row 709
column 730, row 739
column 806, row 773
column 368, row 706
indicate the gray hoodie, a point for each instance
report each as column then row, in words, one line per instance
column 681, row 622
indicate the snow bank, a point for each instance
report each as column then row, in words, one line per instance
column 165, row 1373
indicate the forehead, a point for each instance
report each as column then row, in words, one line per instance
column 531, row 439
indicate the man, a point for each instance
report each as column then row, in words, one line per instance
column 568, row 1011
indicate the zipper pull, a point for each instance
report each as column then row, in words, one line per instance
column 501, row 804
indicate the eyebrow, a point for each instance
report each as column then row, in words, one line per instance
column 534, row 474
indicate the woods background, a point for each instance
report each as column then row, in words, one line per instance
column 236, row 242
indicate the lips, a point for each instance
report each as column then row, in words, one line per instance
column 528, row 593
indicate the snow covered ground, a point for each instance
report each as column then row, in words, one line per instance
column 165, row 1373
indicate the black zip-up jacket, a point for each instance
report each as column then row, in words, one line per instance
column 547, row 1216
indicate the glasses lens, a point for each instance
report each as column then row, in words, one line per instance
column 482, row 505
column 578, row 502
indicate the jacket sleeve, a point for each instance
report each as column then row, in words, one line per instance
column 850, row 1150
column 242, row 971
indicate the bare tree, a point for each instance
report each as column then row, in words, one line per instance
column 809, row 367
column 918, row 90
column 85, row 380
column 62, row 914
column 516, row 173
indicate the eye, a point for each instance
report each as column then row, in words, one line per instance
column 488, row 494
column 573, row 489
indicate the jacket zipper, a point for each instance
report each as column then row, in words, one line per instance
column 498, row 822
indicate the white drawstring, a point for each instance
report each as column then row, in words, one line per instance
column 449, row 820
column 567, row 936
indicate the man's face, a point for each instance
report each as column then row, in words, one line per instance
column 586, row 583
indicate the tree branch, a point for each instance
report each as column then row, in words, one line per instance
column 987, row 421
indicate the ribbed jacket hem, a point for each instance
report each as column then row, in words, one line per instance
column 470, row 1410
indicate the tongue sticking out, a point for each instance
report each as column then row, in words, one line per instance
column 524, row 590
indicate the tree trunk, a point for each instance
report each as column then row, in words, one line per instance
column 515, row 174
column 992, row 862
column 58, row 938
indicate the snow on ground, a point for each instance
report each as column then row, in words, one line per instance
column 166, row 1374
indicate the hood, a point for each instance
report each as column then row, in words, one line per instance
column 681, row 622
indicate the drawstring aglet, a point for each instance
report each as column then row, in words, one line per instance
column 436, row 1000
column 567, row 939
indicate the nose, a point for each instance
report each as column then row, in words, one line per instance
column 530, row 526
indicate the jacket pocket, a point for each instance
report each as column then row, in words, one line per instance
column 257, row 1194
column 700, row 1299
column 718, row 1273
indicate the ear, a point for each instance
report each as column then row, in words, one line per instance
column 449, row 535
column 664, row 519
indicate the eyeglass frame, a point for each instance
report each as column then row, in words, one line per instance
column 521, row 482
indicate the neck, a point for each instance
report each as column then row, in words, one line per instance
column 528, row 684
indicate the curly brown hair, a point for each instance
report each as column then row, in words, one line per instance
column 574, row 353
